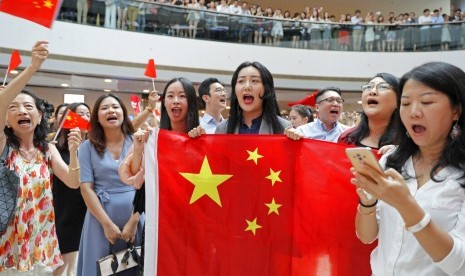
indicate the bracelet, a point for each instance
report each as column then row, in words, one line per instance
column 420, row 225
column 75, row 169
column 367, row 206
column 150, row 110
column 365, row 214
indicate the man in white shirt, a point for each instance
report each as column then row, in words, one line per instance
column 235, row 8
column 214, row 95
column 425, row 35
column 326, row 126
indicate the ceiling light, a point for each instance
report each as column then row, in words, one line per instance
column 146, row 91
column 106, row 90
column 359, row 102
column 65, row 85
column 107, row 80
column 14, row 72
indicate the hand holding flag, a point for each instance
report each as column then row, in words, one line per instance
column 151, row 71
column 72, row 120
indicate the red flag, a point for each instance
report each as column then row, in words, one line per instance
column 15, row 61
column 150, row 70
column 73, row 120
column 309, row 100
column 135, row 103
column 253, row 205
column 42, row 12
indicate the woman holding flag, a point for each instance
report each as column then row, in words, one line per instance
column 30, row 243
column 178, row 113
column 70, row 207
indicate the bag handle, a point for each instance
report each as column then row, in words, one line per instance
column 4, row 153
column 130, row 252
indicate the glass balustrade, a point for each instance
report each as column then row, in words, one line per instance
column 193, row 23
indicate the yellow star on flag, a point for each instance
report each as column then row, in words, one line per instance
column 48, row 4
column 252, row 226
column 253, row 155
column 273, row 207
column 206, row 183
column 274, row 176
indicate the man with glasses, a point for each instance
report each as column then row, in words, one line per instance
column 214, row 96
column 326, row 127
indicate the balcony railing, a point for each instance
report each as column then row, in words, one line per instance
column 165, row 19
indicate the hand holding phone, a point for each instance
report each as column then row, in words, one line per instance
column 360, row 156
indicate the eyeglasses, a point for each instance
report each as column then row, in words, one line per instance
column 380, row 87
column 219, row 90
column 331, row 100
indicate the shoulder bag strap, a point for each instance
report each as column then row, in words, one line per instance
column 4, row 153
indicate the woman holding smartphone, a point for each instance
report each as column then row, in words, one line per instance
column 417, row 212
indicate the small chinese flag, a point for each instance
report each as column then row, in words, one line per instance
column 135, row 104
column 42, row 12
column 15, row 61
column 309, row 100
column 73, row 120
column 150, row 70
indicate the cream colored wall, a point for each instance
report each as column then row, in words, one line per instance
column 338, row 7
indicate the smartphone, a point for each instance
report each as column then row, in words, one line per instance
column 360, row 156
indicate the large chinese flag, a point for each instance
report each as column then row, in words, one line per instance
column 42, row 12
column 250, row 205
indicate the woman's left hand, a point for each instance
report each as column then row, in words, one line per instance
column 74, row 139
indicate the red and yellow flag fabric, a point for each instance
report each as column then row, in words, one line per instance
column 42, row 12
column 73, row 120
column 250, row 205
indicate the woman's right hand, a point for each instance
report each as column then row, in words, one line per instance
column 196, row 132
column 39, row 54
column 140, row 137
column 112, row 232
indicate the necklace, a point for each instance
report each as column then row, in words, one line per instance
column 25, row 154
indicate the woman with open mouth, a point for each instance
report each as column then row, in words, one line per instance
column 376, row 127
column 417, row 208
column 30, row 245
column 109, row 218
column 254, row 109
column 178, row 113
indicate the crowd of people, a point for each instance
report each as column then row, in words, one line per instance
column 95, row 201
column 311, row 28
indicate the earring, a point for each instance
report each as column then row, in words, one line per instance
column 408, row 135
column 455, row 132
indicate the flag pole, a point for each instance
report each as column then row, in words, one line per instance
column 153, row 84
column 6, row 75
column 61, row 125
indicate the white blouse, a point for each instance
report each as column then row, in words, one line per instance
column 398, row 252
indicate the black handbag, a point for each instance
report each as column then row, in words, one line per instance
column 9, row 182
column 124, row 260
